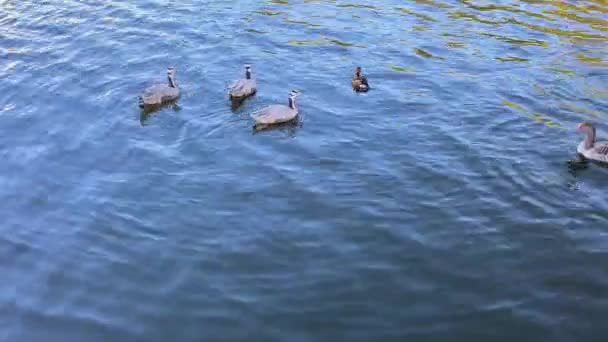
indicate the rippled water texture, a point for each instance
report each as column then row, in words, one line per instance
column 437, row 207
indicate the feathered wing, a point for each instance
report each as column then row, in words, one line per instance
column 236, row 88
column 364, row 81
column 154, row 89
column 242, row 87
column 159, row 93
column 599, row 152
column 601, row 149
column 170, row 94
column 152, row 95
column 274, row 114
column 597, row 156
column 233, row 85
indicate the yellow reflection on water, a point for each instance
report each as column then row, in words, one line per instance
column 269, row 13
column 355, row 6
column 324, row 40
column 506, row 8
column 581, row 109
column 301, row 22
column 538, row 117
column 516, row 41
column 512, row 59
column 401, row 69
column 418, row 15
column 433, row 3
column 591, row 60
column 559, row 32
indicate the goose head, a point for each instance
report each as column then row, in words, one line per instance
column 589, row 129
column 248, row 71
column 171, row 77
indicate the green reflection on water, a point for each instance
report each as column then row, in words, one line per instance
column 323, row 41
column 355, row 6
column 418, row 15
column 432, row 3
column 506, row 8
column 562, row 71
column 425, row 54
column 512, row 59
column 401, row 69
column 537, row 117
column 516, row 41
column 301, row 22
column 269, row 13
column 254, row 31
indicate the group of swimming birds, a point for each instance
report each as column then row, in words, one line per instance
column 161, row 94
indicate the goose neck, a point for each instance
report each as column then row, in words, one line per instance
column 590, row 137
column 292, row 103
column 171, row 82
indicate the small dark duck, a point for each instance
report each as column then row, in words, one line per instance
column 359, row 81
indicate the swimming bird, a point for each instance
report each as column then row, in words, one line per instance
column 359, row 81
column 160, row 94
column 244, row 87
column 589, row 148
column 276, row 114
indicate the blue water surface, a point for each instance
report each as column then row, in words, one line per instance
column 439, row 206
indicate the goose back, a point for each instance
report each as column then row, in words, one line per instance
column 243, row 88
column 597, row 152
column 275, row 114
column 278, row 113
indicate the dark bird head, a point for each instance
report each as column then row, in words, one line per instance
column 248, row 71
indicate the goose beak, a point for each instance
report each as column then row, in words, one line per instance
column 580, row 126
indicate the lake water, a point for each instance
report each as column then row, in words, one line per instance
column 439, row 206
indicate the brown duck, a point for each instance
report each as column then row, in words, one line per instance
column 359, row 81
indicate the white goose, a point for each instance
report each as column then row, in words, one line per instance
column 243, row 87
column 160, row 94
column 276, row 114
column 589, row 148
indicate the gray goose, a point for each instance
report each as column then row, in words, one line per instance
column 278, row 113
column 589, row 148
column 160, row 94
column 244, row 87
